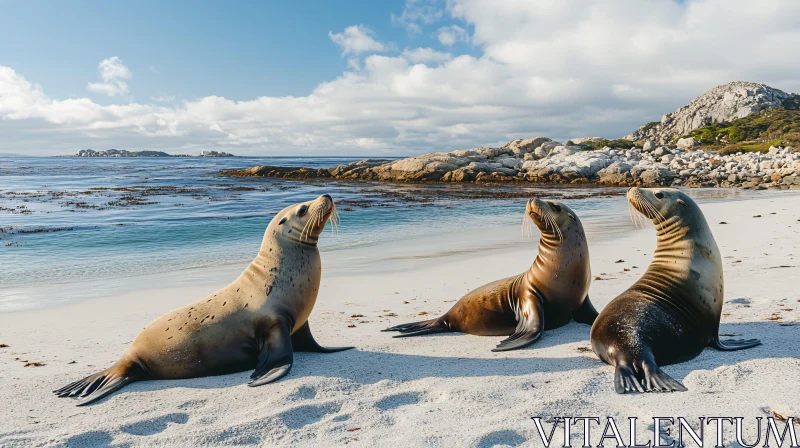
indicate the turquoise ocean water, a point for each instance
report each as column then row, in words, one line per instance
column 73, row 228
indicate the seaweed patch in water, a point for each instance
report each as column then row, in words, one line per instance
column 44, row 230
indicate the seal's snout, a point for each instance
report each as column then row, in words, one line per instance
column 534, row 208
column 635, row 198
column 327, row 203
column 633, row 193
column 644, row 201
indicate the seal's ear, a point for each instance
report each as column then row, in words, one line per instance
column 680, row 201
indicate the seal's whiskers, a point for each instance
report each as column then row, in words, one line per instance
column 642, row 214
column 304, row 234
column 318, row 214
column 651, row 210
column 552, row 221
column 558, row 230
column 657, row 216
column 334, row 219
column 631, row 215
column 526, row 225
column 305, row 230
column 633, row 210
column 639, row 211
column 314, row 220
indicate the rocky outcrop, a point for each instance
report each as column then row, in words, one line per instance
column 720, row 104
column 285, row 172
column 551, row 162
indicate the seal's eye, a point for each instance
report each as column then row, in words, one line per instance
column 660, row 195
column 572, row 217
column 557, row 208
column 302, row 210
column 282, row 221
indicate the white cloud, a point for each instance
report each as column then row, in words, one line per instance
column 163, row 98
column 417, row 12
column 449, row 35
column 112, row 73
column 153, row 69
column 426, row 55
column 562, row 69
column 354, row 63
column 356, row 39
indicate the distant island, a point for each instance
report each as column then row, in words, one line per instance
column 126, row 153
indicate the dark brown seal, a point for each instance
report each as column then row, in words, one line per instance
column 546, row 296
column 672, row 313
column 256, row 322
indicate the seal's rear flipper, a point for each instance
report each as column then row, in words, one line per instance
column 437, row 325
column 97, row 386
column 586, row 314
column 276, row 357
column 530, row 325
column 303, row 341
column 733, row 344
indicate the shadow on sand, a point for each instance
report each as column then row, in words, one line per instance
column 368, row 367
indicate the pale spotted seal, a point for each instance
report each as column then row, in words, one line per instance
column 256, row 322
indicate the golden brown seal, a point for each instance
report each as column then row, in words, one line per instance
column 257, row 321
column 546, row 296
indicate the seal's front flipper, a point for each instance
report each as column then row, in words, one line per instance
column 437, row 325
column 97, row 386
column 303, row 341
column 530, row 325
column 586, row 314
column 731, row 345
column 655, row 380
column 276, row 356
column 625, row 379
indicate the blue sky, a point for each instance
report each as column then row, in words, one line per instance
column 239, row 50
column 348, row 77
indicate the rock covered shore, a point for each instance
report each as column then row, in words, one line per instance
column 542, row 160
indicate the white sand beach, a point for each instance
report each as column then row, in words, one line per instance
column 439, row 390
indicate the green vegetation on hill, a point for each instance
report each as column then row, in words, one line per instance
column 757, row 132
column 792, row 103
column 649, row 126
column 600, row 144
